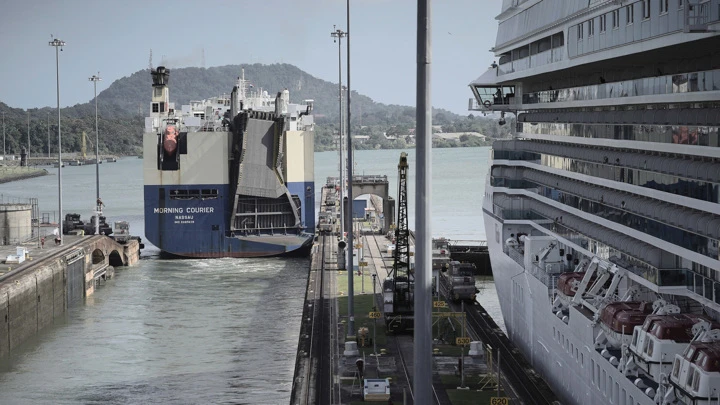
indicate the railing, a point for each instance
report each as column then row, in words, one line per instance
column 517, row 255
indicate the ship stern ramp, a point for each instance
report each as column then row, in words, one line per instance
column 263, row 203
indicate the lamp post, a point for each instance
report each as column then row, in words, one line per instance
column 96, row 79
column 422, row 334
column 4, row 157
column 58, row 44
column 348, row 211
column 337, row 36
column 48, row 128
column 28, row 151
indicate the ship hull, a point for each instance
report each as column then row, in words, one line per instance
column 563, row 354
column 199, row 228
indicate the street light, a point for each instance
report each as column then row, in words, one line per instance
column 58, row 44
column 337, row 36
column 48, row 128
column 28, row 151
column 4, row 157
column 96, row 79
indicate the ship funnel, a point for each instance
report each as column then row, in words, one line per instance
column 160, row 76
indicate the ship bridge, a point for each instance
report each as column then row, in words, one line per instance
column 491, row 95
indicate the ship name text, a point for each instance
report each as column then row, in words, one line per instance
column 182, row 210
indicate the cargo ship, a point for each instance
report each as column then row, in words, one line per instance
column 229, row 176
column 602, row 206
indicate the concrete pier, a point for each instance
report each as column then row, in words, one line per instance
column 50, row 279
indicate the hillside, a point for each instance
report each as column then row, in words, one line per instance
column 123, row 105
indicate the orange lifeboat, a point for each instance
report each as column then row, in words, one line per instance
column 170, row 139
column 565, row 282
column 623, row 317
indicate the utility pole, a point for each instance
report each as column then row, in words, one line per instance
column 337, row 36
column 59, row 44
column 96, row 79
column 348, row 213
column 48, row 128
column 423, row 185
column 28, row 151
column 4, row 153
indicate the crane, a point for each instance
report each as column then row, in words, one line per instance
column 398, row 288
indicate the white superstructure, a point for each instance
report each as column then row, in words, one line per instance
column 603, row 209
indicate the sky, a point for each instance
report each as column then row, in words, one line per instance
column 115, row 39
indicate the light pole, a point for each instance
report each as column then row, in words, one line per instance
column 28, row 151
column 48, row 128
column 96, row 79
column 422, row 334
column 58, row 44
column 4, row 157
column 348, row 211
column 337, row 36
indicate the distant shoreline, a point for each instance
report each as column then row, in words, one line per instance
column 8, row 174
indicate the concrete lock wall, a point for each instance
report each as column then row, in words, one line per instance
column 32, row 299
column 15, row 223
column 29, row 303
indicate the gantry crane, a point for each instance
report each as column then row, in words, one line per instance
column 398, row 288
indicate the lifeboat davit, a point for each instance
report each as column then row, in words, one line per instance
column 170, row 139
column 661, row 338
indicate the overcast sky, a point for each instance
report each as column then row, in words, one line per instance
column 115, row 38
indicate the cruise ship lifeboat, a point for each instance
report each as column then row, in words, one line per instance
column 568, row 283
column 656, row 343
column 695, row 374
column 619, row 319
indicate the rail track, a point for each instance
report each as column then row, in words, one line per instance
column 403, row 343
column 529, row 387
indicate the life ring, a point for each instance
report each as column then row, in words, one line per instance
column 487, row 103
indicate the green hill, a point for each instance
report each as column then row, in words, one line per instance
column 124, row 104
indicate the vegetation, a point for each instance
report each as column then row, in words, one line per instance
column 123, row 106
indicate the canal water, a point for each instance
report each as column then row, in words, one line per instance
column 200, row 331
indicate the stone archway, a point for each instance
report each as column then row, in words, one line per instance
column 116, row 259
column 98, row 257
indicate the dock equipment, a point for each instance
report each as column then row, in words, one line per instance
column 398, row 288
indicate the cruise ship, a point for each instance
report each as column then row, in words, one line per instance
column 602, row 208
column 230, row 176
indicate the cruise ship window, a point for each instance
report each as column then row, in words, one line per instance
column 603, row 23
column 591, row 28
column 616, row 18
column 580, row 29
column 664, row 6
column 696, row 380
column 629, row 14
column 680, row 3
column 646, row 9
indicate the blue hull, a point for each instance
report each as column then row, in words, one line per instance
column 199, row 226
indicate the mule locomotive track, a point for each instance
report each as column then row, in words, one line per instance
column 515, row 369
column 403, row 343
